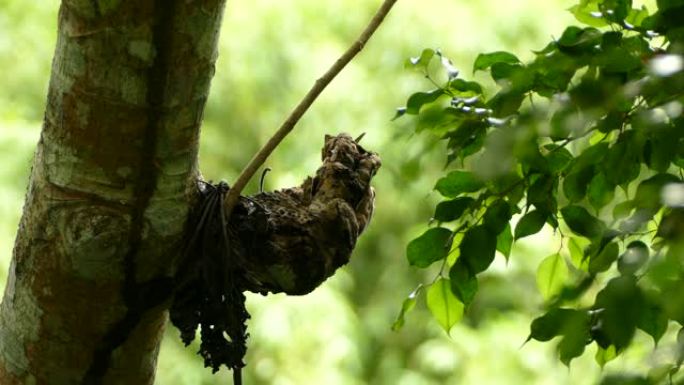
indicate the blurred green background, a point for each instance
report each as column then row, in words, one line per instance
column 270, row 53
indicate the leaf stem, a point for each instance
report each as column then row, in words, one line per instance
column 260, row 157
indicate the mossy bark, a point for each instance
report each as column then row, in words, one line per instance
column 112, row 181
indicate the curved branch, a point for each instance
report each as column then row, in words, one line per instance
column 260, row 157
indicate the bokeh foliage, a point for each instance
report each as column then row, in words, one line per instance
column 270, row 53
column 587, row 140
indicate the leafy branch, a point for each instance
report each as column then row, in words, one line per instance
column 608, row 93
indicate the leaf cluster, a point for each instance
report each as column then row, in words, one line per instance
column 585, row 140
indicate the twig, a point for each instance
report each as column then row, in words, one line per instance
column 260, row 157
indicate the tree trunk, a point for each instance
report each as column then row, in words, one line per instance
column 109, row 193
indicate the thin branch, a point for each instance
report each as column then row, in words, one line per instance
column 296, row 114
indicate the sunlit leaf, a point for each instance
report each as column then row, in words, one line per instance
column 406, row 307
column 430, row 247
column 603, row 356
column 576, row 248
column 636, row 16
column 444, row 305
column 588, row 13
column 421, row 61
column 551, row 275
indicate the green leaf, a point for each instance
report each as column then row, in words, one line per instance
column 542, row 193
column 530, row 223
column 576, row 183
column 430, row 247
column 550, row 325
column 616, row 10
column 465, row 88
column 618, row 60
column 572, row 346
column 401, row 111
column 551, row 275
column 556, row 322
column 581, row 222
column 406, row 307
column 504, row 242
column 633, row 258
column 558, row 159
column 603, row 356
column 478, row 248
column 463, row 282
column 458, row 182
column 577, row 40
column 448, row 211
column 637, row 16
column 600, row 192
column 576, row 249
column 497, row 216
column 588, row 13
column 591, row 156
column 661, row 148
column 622, row 210
column 486, row 60
column 505, row 103
column 466, row 139
column 625, row 379
column 605, row 258
column 653, row 319
column 443, row 305
column 417, row 100
column 622, row 162
column 437, row 119
column 648, row 193
column 422, row 61
column 621, row 302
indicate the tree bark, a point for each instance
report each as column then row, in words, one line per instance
column 112, row 181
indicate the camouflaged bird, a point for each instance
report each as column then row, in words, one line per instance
column 288, row 241
column 307, row 232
